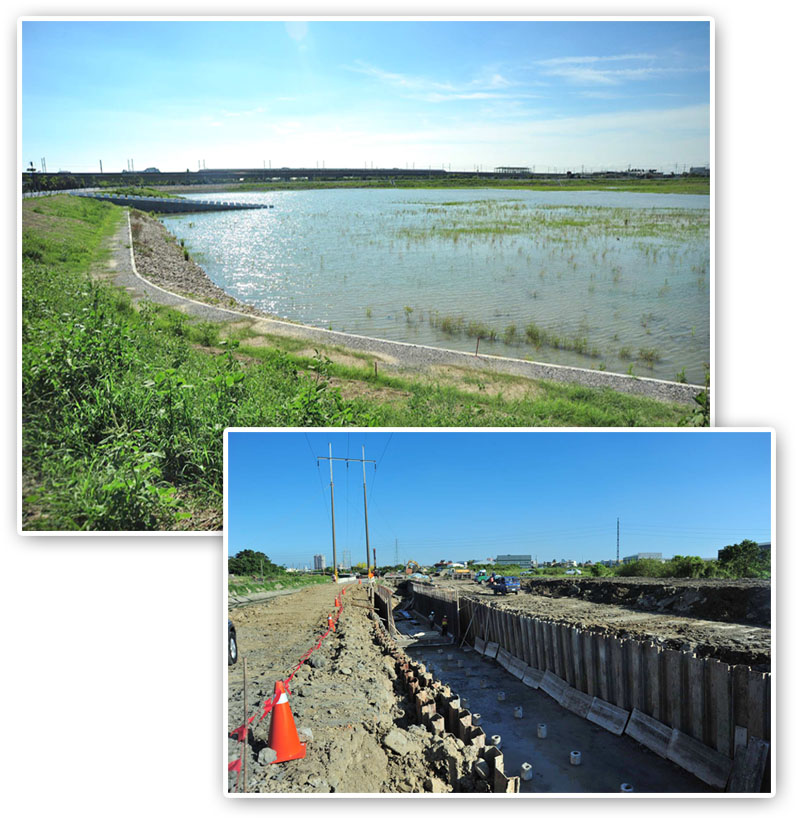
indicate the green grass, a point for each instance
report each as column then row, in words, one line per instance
column 124, row 406
column 141, row 191
column 248, row 585
column 679, row 184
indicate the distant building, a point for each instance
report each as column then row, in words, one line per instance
column 643, row 555
column 151, row 170
column 512, row 170
column 523, row 560
column 319, row 562
column 700, row 171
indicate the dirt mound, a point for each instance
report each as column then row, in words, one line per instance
column 721, row 600
column 347, row 697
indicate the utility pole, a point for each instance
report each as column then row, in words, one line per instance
column 366, row 519
column 617, row 540
column 361, row 460
column 101, row 166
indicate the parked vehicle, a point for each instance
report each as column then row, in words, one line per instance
column 505, row 585
column 233, row 646
column 573, row 572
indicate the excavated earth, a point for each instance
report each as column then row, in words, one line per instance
column 725, row 619
column 346, row 698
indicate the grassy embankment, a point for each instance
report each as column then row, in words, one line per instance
column 141, row 191
column 124, row 405
column 241, row 586
column 679, row 184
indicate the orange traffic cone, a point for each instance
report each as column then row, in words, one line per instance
column 336, row 602
column 283, row 738
column 331, row 624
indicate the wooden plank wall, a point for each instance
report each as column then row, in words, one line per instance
column 703, row 698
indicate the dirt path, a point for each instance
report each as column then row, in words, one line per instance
column 734, row 642
column 364, row 736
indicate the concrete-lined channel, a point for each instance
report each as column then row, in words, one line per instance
column 607, row 761
column 703, row 717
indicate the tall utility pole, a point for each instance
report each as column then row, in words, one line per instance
column 361, row 460
column 617, row 540
column 366, row 519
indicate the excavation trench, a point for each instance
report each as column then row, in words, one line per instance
column 607, row 761
column 661, row 713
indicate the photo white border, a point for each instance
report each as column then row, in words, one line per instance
column 395, row 430
column 342, row 18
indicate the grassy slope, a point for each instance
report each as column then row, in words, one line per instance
column 123, row 408
column 680, row 184
column 140, row 191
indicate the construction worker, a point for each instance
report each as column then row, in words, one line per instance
column 432, row 619
column 444, row 625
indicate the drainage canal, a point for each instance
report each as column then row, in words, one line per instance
column 519, row 715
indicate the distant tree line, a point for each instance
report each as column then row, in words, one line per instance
column 253, row 563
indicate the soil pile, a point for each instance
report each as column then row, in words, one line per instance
column 346, row 698
column 650, row 610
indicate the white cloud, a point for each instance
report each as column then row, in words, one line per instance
column 431, row 90
column 594, row 59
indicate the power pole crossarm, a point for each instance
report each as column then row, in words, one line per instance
column 363, row 461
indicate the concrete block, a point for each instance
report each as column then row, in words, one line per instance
column 503, row 658
column 491, row 650
column 477, row 738
column 516, row 667
column 748, row 768
column 504, row 783
column 494, row 758
column 576, row 701
column 532, row 677
column 480, row 645
column 707, row 764
column 464, row 725
column 552, row 685
column 609, row 716
column 648, row 731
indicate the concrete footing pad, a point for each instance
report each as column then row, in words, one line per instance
column 608, row 715
column 707, row 764
column 532, row 677
column 749, row 764
column 491, row 650
column 650, row 732
column 553, row 685
column 576, row 701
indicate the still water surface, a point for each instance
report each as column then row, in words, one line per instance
column 588, row 278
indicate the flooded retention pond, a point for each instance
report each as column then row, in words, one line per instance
column 597, row 279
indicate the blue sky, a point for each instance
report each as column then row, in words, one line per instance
column 469, row 495
column 347, row 93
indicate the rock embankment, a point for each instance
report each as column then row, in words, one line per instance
column 163, row 261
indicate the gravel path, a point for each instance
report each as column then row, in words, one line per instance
column 161, row 273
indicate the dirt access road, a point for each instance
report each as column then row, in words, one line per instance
column 364, row 736
column 725, row 619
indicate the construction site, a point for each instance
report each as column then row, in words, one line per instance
column 571, row 686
